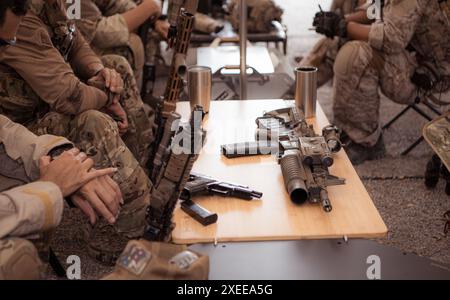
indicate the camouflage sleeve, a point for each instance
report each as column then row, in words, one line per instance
column 82, row 58
column 22, row 144
column 30, row 209
column 112, row 7
column 400, row 19
column 41, row 65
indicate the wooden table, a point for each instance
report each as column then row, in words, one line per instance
column 274, row 217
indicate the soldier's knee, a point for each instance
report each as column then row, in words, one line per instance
column 347, row 58
column 95, row 122
column 19, row 260
column 118, row 63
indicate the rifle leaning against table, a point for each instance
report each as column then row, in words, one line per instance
column 303, row 155
column 176, row 146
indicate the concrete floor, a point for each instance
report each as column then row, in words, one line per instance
column 413, row 214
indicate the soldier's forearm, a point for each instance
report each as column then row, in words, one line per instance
column 358, row 17
column 357, row 31
column 137, row 16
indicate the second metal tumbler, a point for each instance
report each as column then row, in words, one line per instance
column 306, row 90
column 199, row 85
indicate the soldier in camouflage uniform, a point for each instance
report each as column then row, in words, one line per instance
column 378, row 58
column 109, row 26
column 38, row 89
column 324, row 52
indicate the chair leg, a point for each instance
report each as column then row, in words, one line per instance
column 432, row 108
column 421, row 112
column 413, row 145
column 394, row 119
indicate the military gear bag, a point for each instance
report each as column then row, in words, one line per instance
column 261, row 13
column 144, row 260
column 437, row 134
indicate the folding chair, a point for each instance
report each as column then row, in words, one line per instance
column 419, row 100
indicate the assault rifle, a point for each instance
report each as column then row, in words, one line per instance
column 303, row 155
column 177, row 146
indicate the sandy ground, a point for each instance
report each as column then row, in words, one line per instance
column 413, row 214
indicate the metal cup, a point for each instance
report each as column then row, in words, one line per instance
column 306, row 90
column 199, row 86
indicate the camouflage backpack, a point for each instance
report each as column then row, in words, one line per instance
column 261, row 13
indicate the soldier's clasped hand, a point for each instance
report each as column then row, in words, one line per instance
column 70, row 171
column 113, row 81
column 99, row 196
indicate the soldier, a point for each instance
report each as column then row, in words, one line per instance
column 36, row 173
column 324, row 52
column 39, row 89
column 385, row 55
column 109, row 26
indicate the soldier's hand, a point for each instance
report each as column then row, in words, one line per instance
column 70, row 171
column 116, row 111
column 162, row 28
column 330, row 24
column 113, row 81
column 100, row 196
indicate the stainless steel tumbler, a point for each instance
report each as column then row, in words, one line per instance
column 199, row 85
column 306, row 90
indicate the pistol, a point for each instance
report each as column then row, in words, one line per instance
column 204, row 185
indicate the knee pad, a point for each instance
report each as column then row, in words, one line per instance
column 118, row 63
column 19, row 260
column 90, row 128
column 351, row 57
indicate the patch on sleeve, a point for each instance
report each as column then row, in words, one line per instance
column 184, row 260
column 134, row 259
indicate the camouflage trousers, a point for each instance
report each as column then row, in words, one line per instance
column 134, row 54
column 359, row 72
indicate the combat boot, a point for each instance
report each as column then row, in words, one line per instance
column 358, row 153
column 433, row 172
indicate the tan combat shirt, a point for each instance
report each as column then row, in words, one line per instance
column 39, row 63
column 26, row 208
column 102, row 23
column 420, row 23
